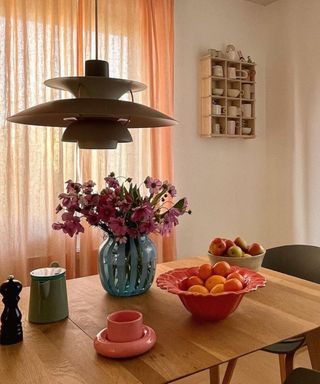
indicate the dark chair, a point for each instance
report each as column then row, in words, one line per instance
column 303, row 376
column 291, row 260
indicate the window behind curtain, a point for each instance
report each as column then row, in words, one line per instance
column 41, row 39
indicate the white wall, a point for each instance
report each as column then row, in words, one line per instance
column 224, row 179
column 293, row 121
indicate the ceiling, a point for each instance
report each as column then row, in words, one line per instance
column 262, row 2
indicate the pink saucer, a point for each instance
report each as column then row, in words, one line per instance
column 109, row 348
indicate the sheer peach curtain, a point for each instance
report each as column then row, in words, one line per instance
column 50, row 38
column 157, row 69
column 38, row 41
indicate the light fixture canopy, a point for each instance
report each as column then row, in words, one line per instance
column 95, row 118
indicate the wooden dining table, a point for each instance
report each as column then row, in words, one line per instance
column 63, row 352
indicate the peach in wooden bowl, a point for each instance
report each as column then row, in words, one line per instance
column 209, row 306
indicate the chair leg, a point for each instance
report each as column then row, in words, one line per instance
column 214, row 375
column 286, row 365
column 313, row 343
column 229, row 371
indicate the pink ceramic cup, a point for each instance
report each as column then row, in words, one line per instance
column 124, row 326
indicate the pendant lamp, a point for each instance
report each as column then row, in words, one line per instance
column 95, row 118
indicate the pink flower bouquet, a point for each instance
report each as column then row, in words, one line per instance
column 120, row 209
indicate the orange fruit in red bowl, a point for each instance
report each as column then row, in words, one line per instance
column 214, row 280
column 205, row 271
column 233, row 285
column 194, row 280
column 208, row 306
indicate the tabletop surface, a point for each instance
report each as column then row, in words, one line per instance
column 63, row 352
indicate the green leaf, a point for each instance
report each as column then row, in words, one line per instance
column 179, row 204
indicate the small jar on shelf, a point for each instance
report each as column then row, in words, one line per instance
column 231, row 127
column 247, row 91
column 233, row 71
column 218, row 108
column 218, row 67
column 250, row 68
column 246, row 109
column 218, row 125
column 233, row 108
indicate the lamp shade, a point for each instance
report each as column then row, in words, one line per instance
column 95, row 118
column 57, row 113
column 95, row 86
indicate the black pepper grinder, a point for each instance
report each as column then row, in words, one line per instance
column 11, row 327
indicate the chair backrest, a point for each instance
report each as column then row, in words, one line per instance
column 303, row 376
column 296, row 260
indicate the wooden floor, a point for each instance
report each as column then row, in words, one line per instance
column 257, row 368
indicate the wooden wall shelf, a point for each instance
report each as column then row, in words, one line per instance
column 220, row 78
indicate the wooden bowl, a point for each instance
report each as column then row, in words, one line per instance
column 208, row 306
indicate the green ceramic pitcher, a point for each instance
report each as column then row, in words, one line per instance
column 48, row 295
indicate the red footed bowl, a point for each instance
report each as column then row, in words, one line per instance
column 208, row 306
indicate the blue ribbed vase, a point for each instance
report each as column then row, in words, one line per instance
column 127, row 269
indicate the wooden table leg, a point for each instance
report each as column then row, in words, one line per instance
column 313, row 343
column 214, row 375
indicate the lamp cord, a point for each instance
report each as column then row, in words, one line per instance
column 132, row 100
column 131, row 93
column 96, row 26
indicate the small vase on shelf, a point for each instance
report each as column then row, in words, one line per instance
column 127, row 269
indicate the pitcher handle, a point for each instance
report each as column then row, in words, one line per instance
column 54, row 264
column 243, row 74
